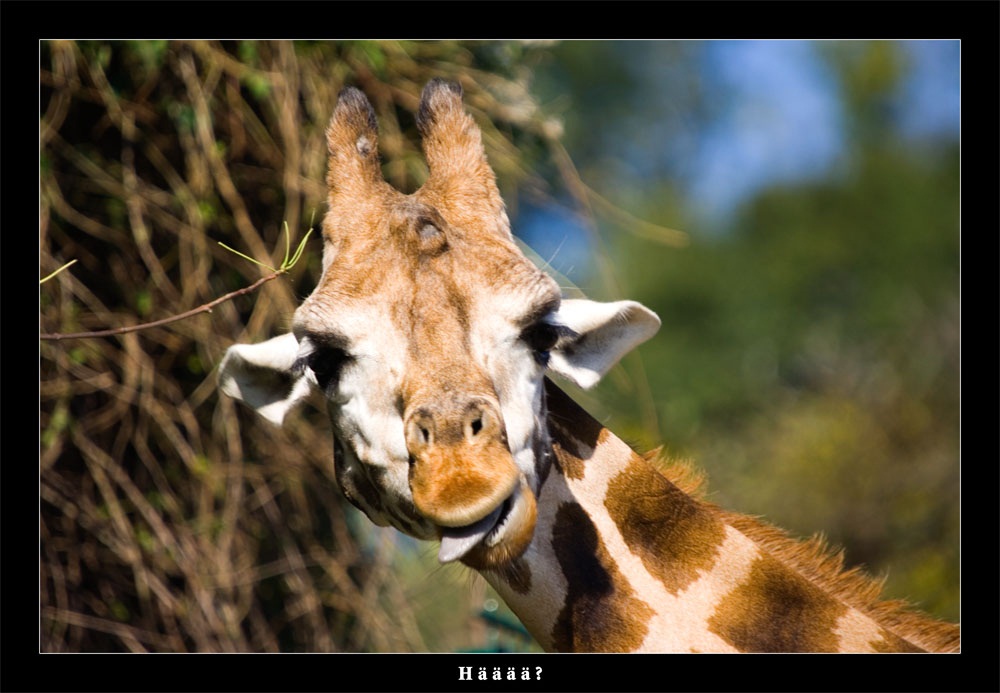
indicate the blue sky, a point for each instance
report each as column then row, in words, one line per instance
column 931, row 99
column 785, row 122
column 778, row 120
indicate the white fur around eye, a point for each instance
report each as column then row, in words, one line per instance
column 518, row 380
column 301, row 364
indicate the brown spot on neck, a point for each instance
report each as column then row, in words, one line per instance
column 777, row 610
column 572, row 430
column 601, row 612
column 673, row 534
column 825, row 569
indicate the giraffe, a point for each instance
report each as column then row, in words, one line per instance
column 431, row 339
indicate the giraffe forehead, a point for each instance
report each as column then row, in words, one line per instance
column 410, row 232
column 473, row 282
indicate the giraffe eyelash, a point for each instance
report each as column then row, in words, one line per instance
column 541, row 337
column 325, row 362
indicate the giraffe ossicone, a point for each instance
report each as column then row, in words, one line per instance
column 430, row 337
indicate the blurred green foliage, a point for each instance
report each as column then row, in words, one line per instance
column 809, row 354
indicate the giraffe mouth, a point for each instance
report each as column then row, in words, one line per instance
column 500, row 536
column 458, row 541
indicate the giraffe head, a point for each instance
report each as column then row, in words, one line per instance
column 429, row 335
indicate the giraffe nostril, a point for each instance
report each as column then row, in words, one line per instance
column 476, row 422
column 480, row 422
column 419, row 432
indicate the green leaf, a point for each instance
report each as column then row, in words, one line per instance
column 207, row 211
column 59, row 421
column 194, row 365
column 259, row 86
column 143, row 302
column 118, row 610
column 201, row 465
column 248, row 52
column 373, row 54
column 144, row 538
column 151, row 53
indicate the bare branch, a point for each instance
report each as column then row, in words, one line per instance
column 205, row 308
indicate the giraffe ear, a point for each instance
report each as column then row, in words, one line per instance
column 262, row 376
column 598, row 336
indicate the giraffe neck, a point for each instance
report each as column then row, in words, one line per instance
column 624, row 561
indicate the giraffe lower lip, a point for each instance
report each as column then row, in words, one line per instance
column 458, row 541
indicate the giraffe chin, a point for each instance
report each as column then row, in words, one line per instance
column 501, row 537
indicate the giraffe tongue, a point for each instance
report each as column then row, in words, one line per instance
column 458, row 541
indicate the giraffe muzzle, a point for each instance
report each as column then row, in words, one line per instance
column 461, row 469
column 463, row 478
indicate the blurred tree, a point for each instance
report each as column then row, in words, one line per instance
column 809, row 357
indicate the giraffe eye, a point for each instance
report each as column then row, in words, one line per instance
column 327, row 363
column 324, row 360
column 541, row 337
